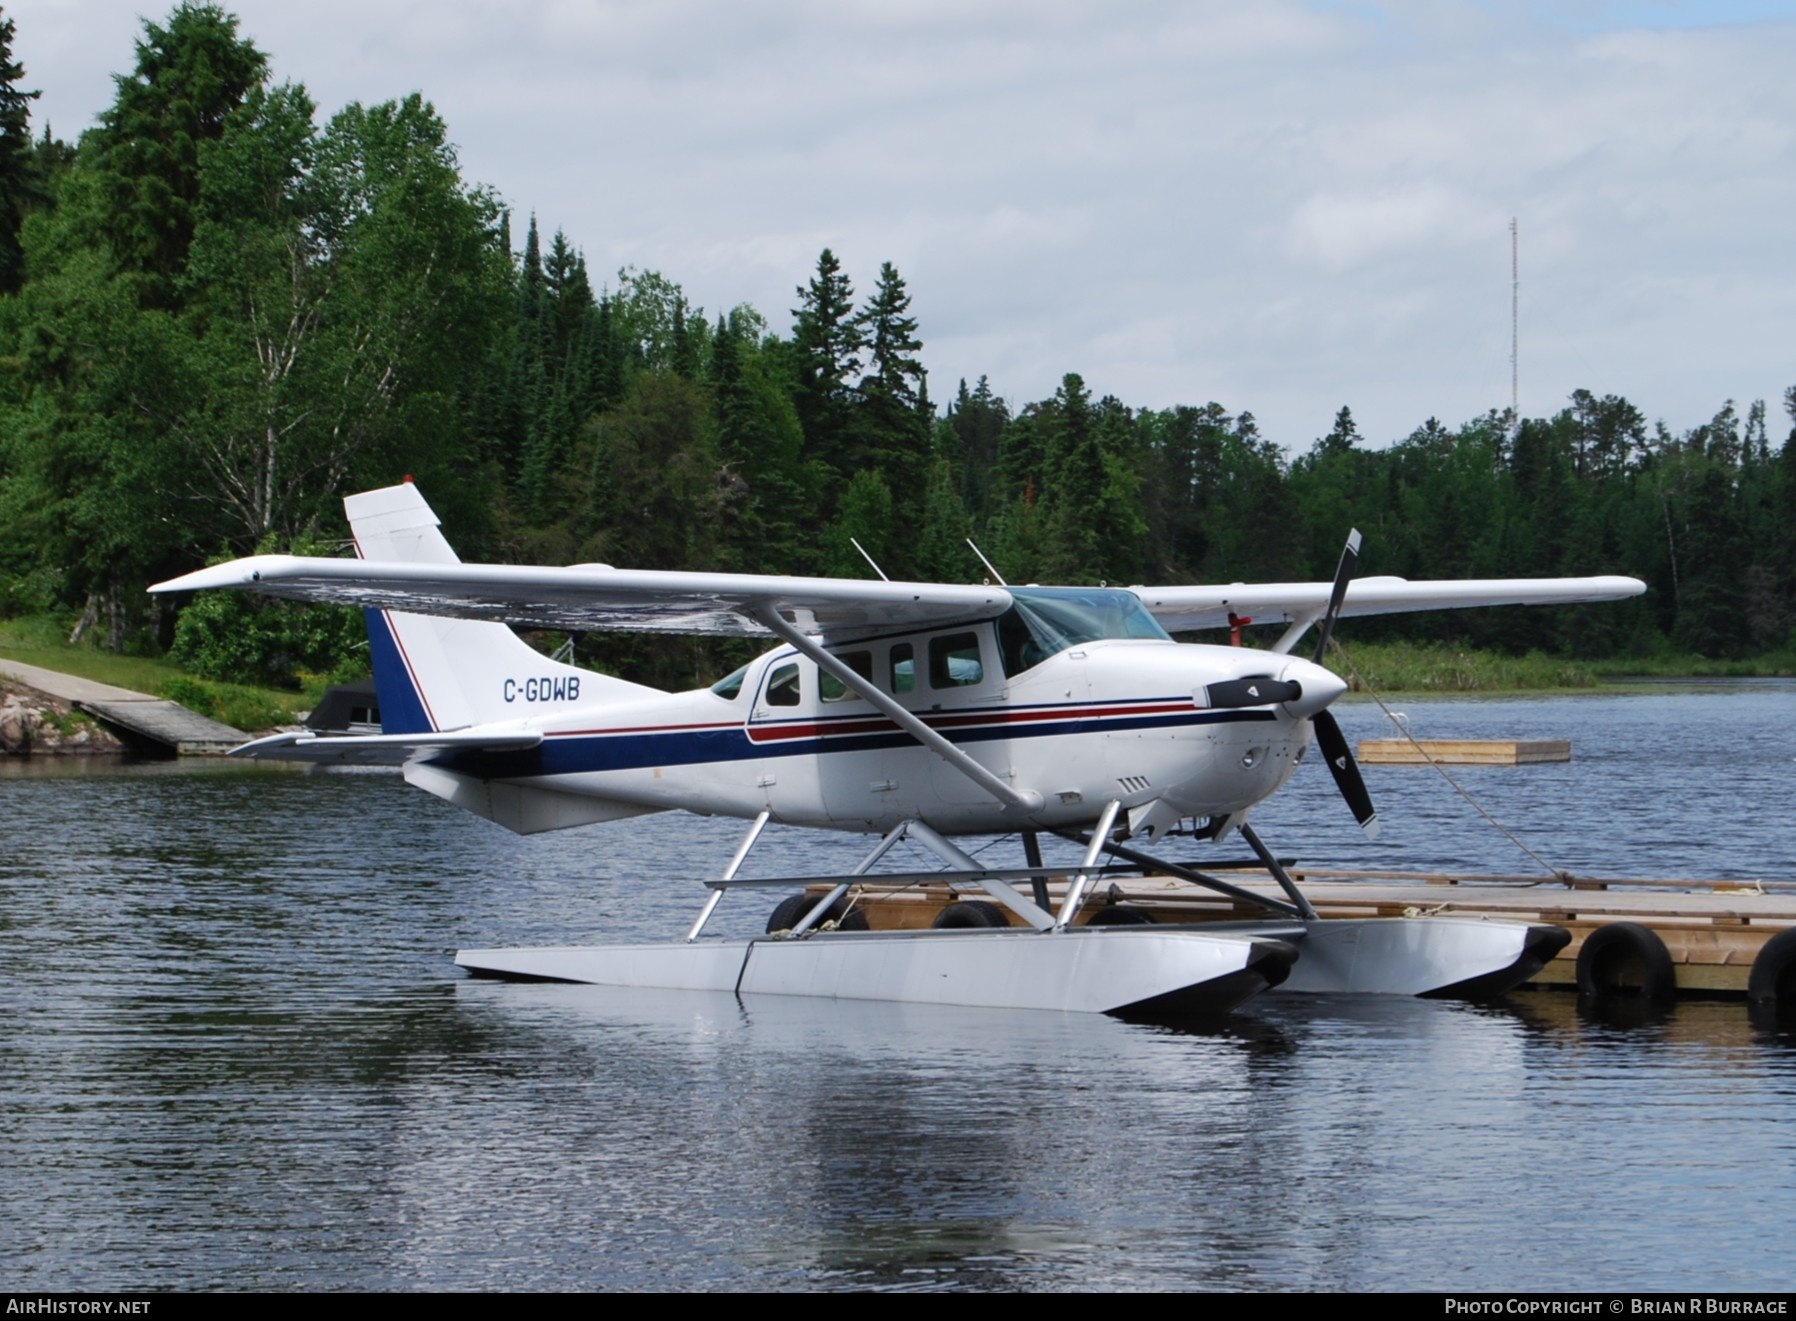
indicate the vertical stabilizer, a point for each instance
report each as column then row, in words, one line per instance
column 439, row 674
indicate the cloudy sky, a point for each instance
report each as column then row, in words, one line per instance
column 1283, row 207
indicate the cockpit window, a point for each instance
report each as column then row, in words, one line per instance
column 1044, row 621
column 730, row 686
column 782, row 688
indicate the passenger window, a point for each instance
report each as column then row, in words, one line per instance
column 904, row 668
column 782, row 688
column 832, row 688
column 954, row 661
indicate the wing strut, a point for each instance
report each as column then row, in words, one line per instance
column 1026, row 803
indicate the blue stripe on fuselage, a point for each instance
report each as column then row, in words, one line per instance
column 577, row 753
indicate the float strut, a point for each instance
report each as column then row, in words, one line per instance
column 1075, row 892
column 1038, row 884
column 729, row 874
column 861, row 868
column 1279, row 874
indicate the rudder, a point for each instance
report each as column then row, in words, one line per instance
column 436, row 673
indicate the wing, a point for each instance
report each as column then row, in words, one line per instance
column 1181, row 608
column 598, row 598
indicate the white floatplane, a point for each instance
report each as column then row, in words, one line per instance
column 905, row 710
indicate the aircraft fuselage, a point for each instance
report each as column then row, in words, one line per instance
column 1113, row 718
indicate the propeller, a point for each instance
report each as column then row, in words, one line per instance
column 1335, row 749
column 1343, row 573
column 1346, row 771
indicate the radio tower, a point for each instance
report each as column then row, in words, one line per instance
column 1515, row 287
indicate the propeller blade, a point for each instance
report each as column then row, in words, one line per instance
column 1229, row 693
column 1343, row 573
column 1346, row 771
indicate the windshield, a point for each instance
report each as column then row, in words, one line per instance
column 1044, row 621
column 730, row 686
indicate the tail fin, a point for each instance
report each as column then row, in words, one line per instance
column 436, row 674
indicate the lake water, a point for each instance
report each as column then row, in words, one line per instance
column 234, row 1055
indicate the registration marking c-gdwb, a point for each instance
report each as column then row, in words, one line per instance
column 558, row 688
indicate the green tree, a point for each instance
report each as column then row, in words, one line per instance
column 20, row 187
column 867, row 518
column 190, row 76
column 768, row 492
column 974, row 426
column 827, row 339
column 342, row 287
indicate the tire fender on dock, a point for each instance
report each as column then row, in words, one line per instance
column 970, row 913
column 1610, row 949
column 790, row 912
column 1120, row 915
column 1773, row 976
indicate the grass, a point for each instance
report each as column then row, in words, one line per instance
column 1416, row 668
column 43, row 640
column 1433, row 668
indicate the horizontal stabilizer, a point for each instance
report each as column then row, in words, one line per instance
column 380, row 749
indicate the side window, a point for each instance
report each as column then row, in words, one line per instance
column 782, row 688
column 904, row 668
column 954, row 661
column 833, row 689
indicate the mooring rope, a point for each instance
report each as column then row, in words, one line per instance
column 1557, row 873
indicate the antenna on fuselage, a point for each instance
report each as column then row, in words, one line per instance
column 863, row 550
column 988, row 564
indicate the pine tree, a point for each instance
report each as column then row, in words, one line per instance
column 20, row 186
column 827, row 340
column 190, row 76
column 894, row 424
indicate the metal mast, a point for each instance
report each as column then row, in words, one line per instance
column 1515, row 287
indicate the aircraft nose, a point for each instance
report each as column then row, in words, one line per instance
column 1320, row 687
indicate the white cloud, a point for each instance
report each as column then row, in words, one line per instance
column 1283, row 206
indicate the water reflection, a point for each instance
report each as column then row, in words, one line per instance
column 234, row 1054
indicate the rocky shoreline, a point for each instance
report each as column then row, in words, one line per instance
column 33, row 723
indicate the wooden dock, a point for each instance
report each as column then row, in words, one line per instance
column 1712, row 932
column 1463, row 751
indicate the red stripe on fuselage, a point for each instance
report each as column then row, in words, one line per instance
column 842, row 726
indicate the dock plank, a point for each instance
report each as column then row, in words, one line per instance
column 1463, row 751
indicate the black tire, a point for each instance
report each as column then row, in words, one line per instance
column 1773, row 976
column 790, row 912
column 970, row 913
column 1120, row 915
column 1625, row 958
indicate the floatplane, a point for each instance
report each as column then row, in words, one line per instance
column 906, row 711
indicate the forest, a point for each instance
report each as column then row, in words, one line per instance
column 222, row 308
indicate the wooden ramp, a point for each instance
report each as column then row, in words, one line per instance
column 169, row 723
column 189, row 733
